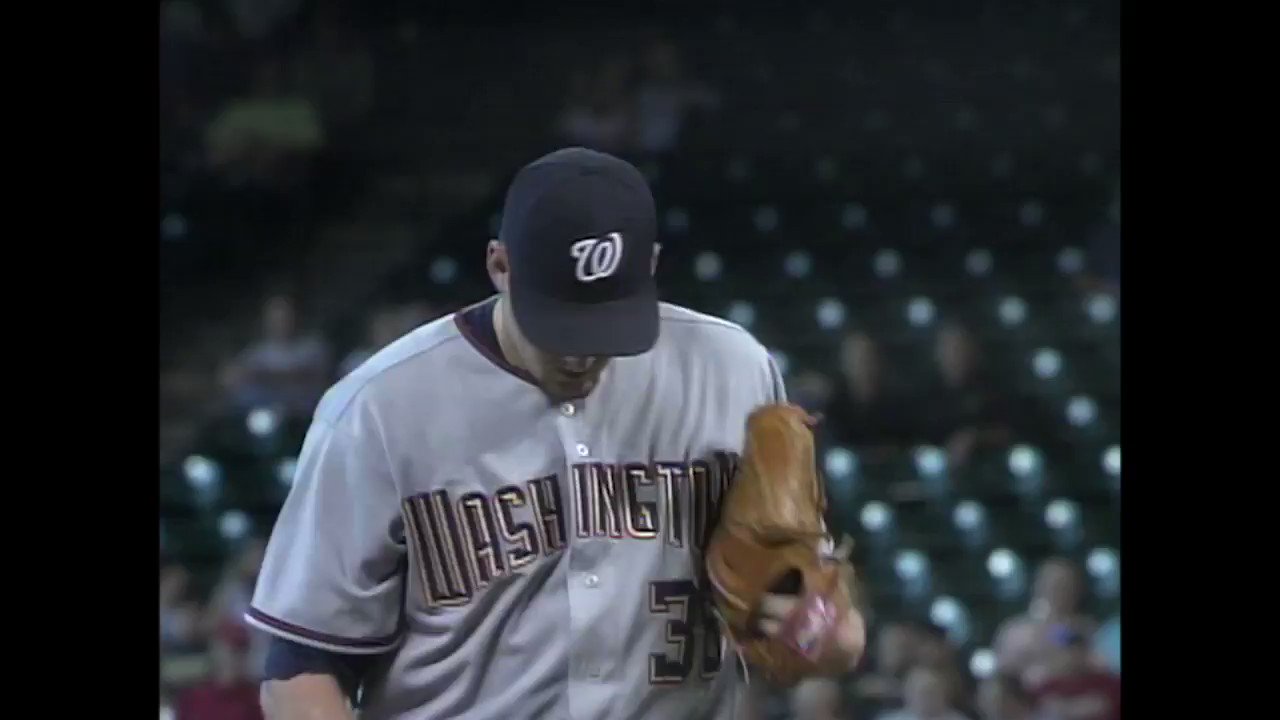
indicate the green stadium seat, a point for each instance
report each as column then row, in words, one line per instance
column 193, row 538
column 1103, row 567
column 176, row 496
column 914, row 573
column 259, row 485
column 953, row 616
column 234, row 526
column 1007, row 572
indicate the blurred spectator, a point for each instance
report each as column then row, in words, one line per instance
column 600, row 113
column 231, row 598
column 896, row 649
column 385, row 326
column 966, row 412
column 266, row 138
column 665, row 98
column 1075, row 689
column 230, row 693
column 179, row 613
column 816, row 699
column 812, row 391
column 1001, row 697
column 1106, row 644
column 285, row 368
column 1024, row 644
column 925, row 698
column 869, row 412
column 935, row 651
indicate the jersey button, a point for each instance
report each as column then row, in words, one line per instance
column 568, row 409
column 591, row 580
column 583, row 450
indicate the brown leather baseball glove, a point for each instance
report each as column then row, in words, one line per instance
column 771, row 538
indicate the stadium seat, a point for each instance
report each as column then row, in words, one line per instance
column 1103, row 567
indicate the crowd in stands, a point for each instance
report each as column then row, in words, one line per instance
column 1050, row 664
column 212, row 660
column 625, row 107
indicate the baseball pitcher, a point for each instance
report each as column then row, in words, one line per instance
column 504, row 514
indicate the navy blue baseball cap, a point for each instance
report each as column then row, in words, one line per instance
column 580, row 230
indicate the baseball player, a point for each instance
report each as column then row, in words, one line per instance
column 502, row 514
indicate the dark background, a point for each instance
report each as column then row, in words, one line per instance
column 915, row 204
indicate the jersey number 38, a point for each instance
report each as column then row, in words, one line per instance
column 685, row 611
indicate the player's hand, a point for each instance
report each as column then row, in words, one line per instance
column 851, row 635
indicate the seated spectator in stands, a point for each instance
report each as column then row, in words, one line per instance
column 816, row 699
column 812, row 391
column 230, row 692
column 967, row 410
column 1075, row 688
column 286, row 368
column 665, row 98
column 1001, row 697
column 896, row 649
column 601, row 112
column 231, row 598
column 1024, row 644
column 870, row 412
column 1106, row 644
column 925, row 698
column 935, row 651
column 179, row 613
column 385, row 326
column 266, row 138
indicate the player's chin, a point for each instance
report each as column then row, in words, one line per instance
column 562, row 389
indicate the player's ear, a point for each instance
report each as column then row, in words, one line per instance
column 495, row 261
column 653, row 264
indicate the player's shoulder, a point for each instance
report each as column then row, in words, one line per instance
column 684, row 328
column 402, row 364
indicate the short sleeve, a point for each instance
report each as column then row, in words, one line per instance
column 334, row 568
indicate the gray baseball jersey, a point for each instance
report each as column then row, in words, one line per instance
column 515, row 558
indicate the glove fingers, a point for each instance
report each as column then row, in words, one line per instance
column 772, row 538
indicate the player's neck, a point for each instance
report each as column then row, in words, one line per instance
column 509, row 342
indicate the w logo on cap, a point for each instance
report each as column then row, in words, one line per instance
column 597, row 257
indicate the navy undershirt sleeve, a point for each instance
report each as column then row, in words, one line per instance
column 287, row 659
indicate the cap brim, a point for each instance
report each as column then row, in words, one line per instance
column 618, row 328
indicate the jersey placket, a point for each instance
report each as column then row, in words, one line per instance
column 589, row 579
